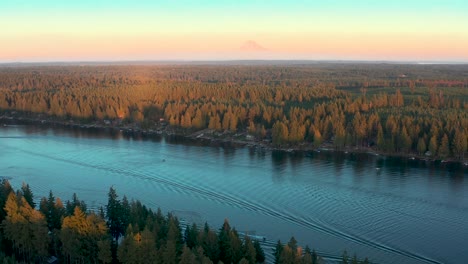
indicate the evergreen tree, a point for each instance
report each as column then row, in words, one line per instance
column 187, row 256
column 26, row 228
column 317, row 138
column 421, row 146
column 314, row 257
column 125, row 213
column 224, row 242
column 5, row 190
column 27, row 194
column 279, row 133
column 380, row 138
column 444, row 149
column 288, row 256
column 104, row 251
column 260, row 254
column 235, row 251
column 405, row 140
column 210, row 244
column 80, row 236
column 433, row 145
column 127, row 250
column 277, row 251
column 293, row 244
column 115, row 220
column 169, row 253
column 75, row 202
column 53, row 211
column 459, row 144
column 191, row 236
column 307, row 258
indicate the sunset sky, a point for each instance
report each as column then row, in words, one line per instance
column 89, row 30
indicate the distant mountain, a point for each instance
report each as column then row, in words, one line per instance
column 251, row 46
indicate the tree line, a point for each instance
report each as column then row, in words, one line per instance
column 402, row 109
column 122, row 232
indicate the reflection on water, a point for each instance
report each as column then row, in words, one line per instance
column 394, row 210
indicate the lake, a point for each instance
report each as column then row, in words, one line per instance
column 392, row 210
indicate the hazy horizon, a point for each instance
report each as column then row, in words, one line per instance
column 76, row 31
column 227, row 62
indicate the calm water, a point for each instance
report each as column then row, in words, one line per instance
column 391, row 210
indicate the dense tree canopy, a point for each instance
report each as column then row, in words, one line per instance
column 407, row 109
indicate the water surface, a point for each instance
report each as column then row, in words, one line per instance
column 390, row 209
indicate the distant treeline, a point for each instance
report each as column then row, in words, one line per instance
column 122, row 232
column 398, row 109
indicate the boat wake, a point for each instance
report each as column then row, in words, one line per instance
column 235, row 201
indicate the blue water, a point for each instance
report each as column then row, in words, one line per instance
column 391, row 210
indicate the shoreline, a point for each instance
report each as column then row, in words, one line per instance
column 208, row 135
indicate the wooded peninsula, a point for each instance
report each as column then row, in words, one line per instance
column 396, row 109
column 124, row 232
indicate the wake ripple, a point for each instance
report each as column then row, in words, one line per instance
column 236, row 202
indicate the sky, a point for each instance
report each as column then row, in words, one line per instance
column 115, row 30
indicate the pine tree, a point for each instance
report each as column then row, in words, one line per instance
column 113, row 209
column 169, row 253
column 340, row 136
column 260, row 254
column 288, row 256
column 26, row 228
column 459, row 144
column 210, row 244
column 317, row 138
column 279, row 133
column 277, row 252
column 233, row 122
column 293, row 244
column 235, row 251
column 125, row 213
column 191, row 236
column 53, row 211
column 80, row 235
column 224, row 242
column 444, row 150
column 104, row 251
column 433, row 145
column 214, row 123
column 27, row 194
column 421, row 146
column 307, row 257
column 71, row 205
column 405, row 140
column 127, row 250
column 380, row 138
column 5, row 190
column 187, row 256
column 314, row 257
